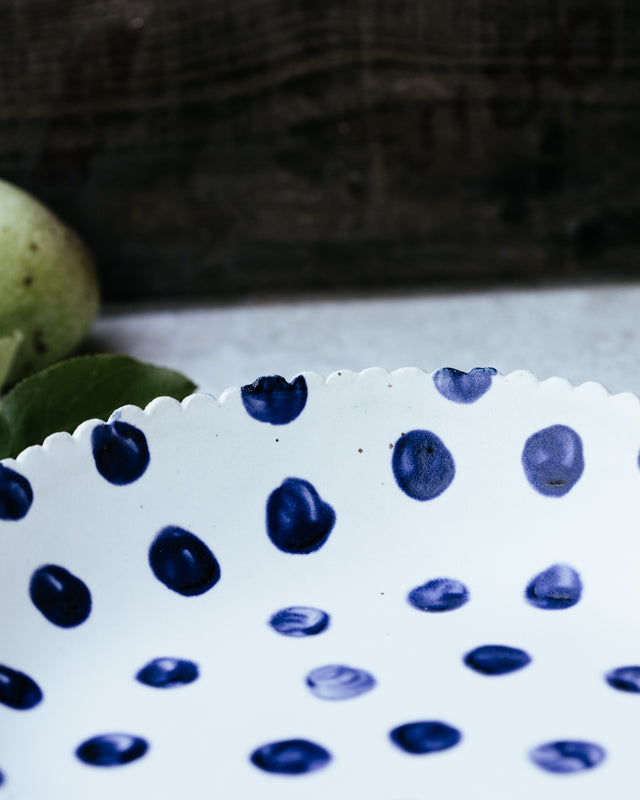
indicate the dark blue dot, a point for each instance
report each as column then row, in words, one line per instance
column 557, row 587
column 120, row 451
column 16, row 494
column 625, row 679
column 419, row 738
column 183, row 562
column 112, row 749
column 339, row 682
column 463, row 387
column 272, row 399
column 299, row 621
column 439, row 594
column 496, row 659
column 165, row 673
column 298, row 520
column 422, row 465
column 62, row 597
column 553, row 460
column 1, row 778
column 291, row 757
column 569, row 756
column 18, row 690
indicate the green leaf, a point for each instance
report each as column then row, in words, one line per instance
column 8, row 348
column 62, row 396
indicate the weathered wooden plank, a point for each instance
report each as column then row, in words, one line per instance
column 217, row 147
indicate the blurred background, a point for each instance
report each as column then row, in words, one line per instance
column 270, row 147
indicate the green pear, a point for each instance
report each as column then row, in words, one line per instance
column 49, row 293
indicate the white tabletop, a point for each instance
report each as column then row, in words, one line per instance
column 580, row 334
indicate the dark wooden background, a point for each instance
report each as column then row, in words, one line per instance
column 231, row 147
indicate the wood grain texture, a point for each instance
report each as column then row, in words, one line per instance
column 222, row 148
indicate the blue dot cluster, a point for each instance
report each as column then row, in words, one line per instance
column 497, row 659
column 423, row 737
column 299, row 521
column 439, row 594
column 271, row 399
column 16, row 494
column 567, row 756
column 339, row 682
column 463, row 387
column 299, row 621
column 557, row 587
column 164, row 673
column 112, row 749
column 63, row 598
column 183, row 562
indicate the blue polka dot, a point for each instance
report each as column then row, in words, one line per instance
column 1, row 778
column 567, row 756
column 463, row 387
column 112, row 749
column 422, row 465
column 496, row 659
column 557, row 587
column 298, row 520
column 339, row 682
column 120, row 452
column 60, row 596
column 183, row 562
column 299, row 621
column 18, row 690
column 16, row 494
column 553, row 460
column 166, row 673
column 439, row 594
column 291, row 757
column 420, row 738
column 625, row 679
column 272, row 399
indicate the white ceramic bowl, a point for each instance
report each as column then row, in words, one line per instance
column 384, row 585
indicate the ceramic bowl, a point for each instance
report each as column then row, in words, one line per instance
column 391, row 585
